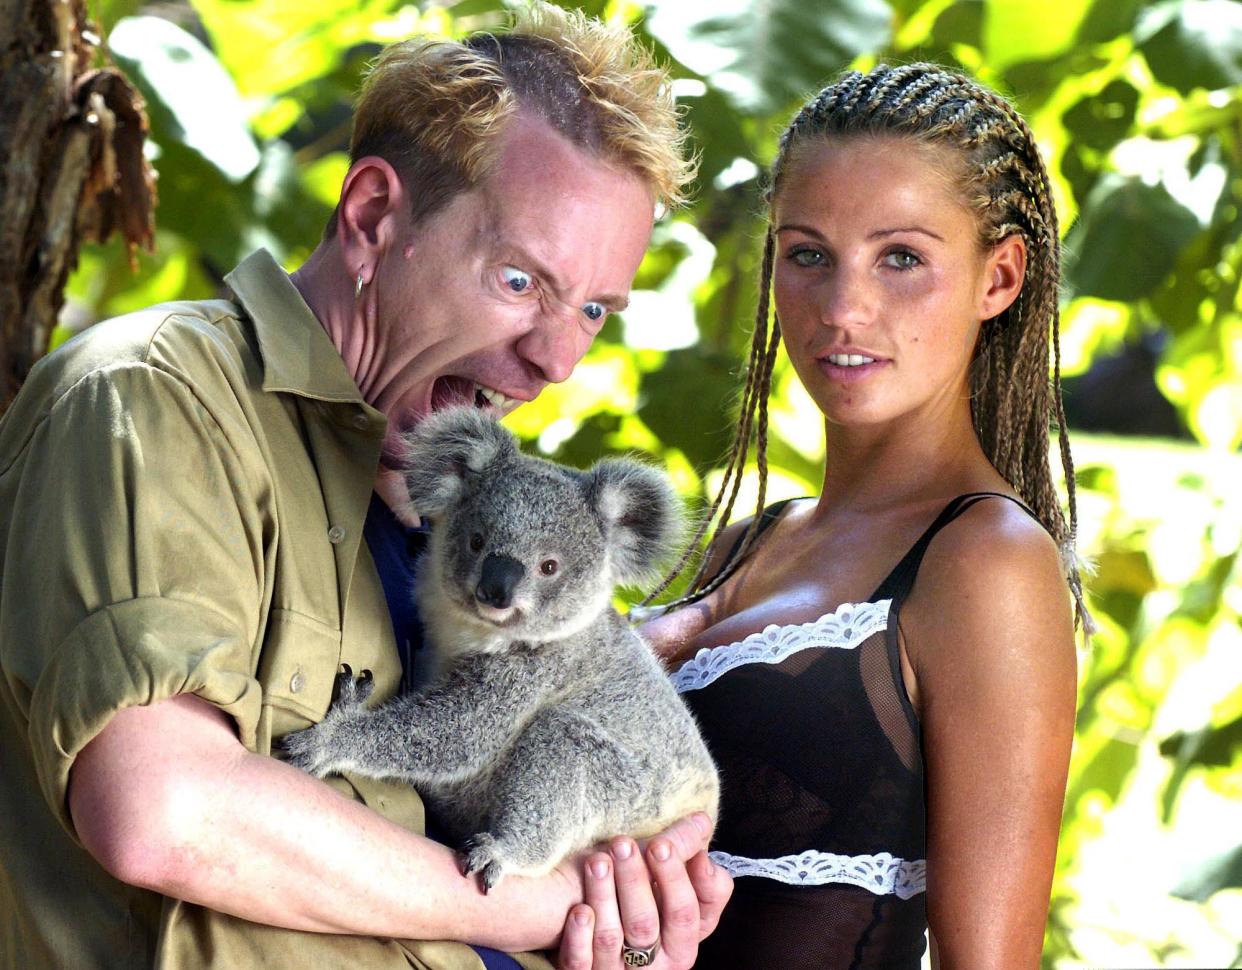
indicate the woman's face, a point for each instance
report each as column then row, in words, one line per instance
column 879, row 279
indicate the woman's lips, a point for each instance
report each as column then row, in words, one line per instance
column 850, row 373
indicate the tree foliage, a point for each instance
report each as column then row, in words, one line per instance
column 1138, row 108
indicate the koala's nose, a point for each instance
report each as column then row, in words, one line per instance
column 501, row 575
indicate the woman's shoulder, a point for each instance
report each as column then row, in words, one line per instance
column 991, row 590
column 994, row 542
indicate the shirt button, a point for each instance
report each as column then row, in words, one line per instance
column 297, row 681
column 336, row 534
column 361, row 421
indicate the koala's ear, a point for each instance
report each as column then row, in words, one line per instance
column 445, row 449
column 642, row 515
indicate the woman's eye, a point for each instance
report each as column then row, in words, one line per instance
column 902, row 259
column 807, row 257
column 515, row 279
column 594, row 311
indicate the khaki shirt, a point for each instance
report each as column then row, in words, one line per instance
column 182, row 496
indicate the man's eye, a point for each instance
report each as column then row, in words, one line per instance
column 515, row 279
column 594, row 311
column 807, row 257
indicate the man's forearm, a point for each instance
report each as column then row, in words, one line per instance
column 166, row 798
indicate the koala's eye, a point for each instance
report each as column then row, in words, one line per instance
column 476, row 542
column 549, row 567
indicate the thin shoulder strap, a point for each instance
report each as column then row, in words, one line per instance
column 897, row 584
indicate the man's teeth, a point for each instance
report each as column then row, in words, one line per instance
column 849, row 360
column 495, row 398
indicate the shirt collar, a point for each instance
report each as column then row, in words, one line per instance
column 298, row 355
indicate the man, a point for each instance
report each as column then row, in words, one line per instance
column 184, row 493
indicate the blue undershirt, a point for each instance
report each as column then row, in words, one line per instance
column 395, row 547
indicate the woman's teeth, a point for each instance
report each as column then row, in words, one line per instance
column 494, row 398
column 849, row 360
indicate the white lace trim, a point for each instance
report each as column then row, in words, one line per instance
column 881, row 874
column 843, row 629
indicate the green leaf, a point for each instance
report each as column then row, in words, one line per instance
column 689, row 402
column 106, row 13
column 718, row 133
column 1108, row 19
column 768, row 56
column 1193, row 43
column 1215, row 746
column 961, row 23
column 1127, row 239
column 1222, row 872
column 1101, row 120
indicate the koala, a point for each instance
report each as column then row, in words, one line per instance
column 549, row 725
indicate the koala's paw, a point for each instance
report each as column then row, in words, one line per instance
column 480, row 853
column 319, row 750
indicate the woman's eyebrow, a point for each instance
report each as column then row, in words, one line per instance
column 898, row 229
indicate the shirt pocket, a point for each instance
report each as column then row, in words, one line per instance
column 297, row 669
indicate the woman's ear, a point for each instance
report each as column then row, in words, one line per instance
column 369, row 214
column 1004, row 274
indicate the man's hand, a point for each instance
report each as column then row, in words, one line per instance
column 621, row 907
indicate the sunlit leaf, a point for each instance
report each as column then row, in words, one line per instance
column 766, row 56
column 1027, row 30
column 271, row 46
column 189, row 91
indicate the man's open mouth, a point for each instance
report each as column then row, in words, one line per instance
column 454, row 391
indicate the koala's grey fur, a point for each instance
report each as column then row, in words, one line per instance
column 550, row 725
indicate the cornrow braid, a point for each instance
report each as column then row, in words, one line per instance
column 1006, row 184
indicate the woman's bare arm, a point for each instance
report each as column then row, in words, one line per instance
column 989, row 634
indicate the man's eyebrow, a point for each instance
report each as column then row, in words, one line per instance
column 614, row 302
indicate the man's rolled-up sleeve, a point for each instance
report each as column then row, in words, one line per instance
column 134, row 562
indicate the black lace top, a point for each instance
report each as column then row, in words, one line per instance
column 823, row 819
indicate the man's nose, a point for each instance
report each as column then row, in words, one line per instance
column 500, row 576
column 555, row 344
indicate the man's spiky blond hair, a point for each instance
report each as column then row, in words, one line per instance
column 435, row 109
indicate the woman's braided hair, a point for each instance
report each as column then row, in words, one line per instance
column 1005, row 183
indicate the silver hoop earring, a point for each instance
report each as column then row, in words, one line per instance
column 358, row 285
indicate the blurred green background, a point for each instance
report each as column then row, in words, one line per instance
column 1138, row 108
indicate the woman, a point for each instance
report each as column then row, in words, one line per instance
column 886, row 674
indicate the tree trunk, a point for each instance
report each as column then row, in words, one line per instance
column 71, row 169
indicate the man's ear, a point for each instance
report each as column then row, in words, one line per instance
column 369, row 214
column 1004, row 274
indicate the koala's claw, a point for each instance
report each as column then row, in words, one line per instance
column 318, row 750
column 349, row 691
column 479, row 853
